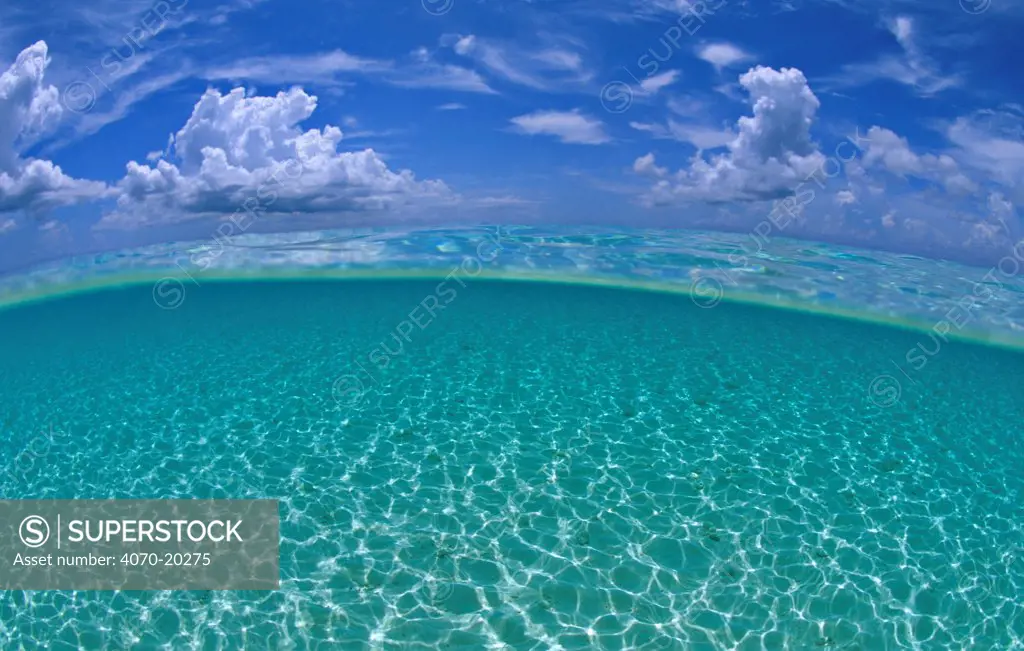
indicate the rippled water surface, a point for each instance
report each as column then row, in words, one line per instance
column 532, row 466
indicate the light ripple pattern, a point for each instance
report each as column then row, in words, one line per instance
column 818, row 277
column 541, row 467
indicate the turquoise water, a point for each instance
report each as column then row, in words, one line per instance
column 539, row 467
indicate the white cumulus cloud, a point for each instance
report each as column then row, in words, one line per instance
column 770, row 155
column 243, row 152
column 29, row 109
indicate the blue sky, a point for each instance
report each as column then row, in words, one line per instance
column 894, row 125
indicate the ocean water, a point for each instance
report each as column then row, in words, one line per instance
column 539, row 466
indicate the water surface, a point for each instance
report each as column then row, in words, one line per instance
column 538, row 466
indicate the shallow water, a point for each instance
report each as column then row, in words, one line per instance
column 540, row 466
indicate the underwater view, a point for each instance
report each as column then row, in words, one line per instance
column 508, row 438
column 511, row 325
